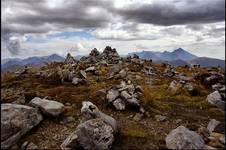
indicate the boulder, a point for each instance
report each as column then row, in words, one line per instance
column 216, row 100
column 92, row 134
column 17, row 120
column 183, row 138
column 212, row 125
column 48, row 107
column 119, row 104
column 112, row 94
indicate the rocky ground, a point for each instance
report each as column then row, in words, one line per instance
column 156, row 106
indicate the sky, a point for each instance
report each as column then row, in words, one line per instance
column 43, row 27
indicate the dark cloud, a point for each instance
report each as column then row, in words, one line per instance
column 180, row 12
column 195, row 27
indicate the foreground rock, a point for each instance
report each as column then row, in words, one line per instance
column 183, row 138
column 216, row 100
column 90, row 111
column 48, row 107
column 96, row 133
column 17, row 120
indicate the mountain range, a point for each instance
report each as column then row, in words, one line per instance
column 9, row 64
column 178, row 57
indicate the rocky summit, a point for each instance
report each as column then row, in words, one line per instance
column 104, row 101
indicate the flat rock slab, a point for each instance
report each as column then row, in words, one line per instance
column 17, row 120
column 48, row 107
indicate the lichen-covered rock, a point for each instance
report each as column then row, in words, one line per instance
column 17, row 120
column 183, row 138
column 95, row 134
column 48, row 107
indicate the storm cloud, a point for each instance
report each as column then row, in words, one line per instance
column 175, row 12
column 134, row 22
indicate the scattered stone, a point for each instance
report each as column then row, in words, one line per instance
column 119, row 104
column 48, row 107
column 95, row 134
column 174, row 86
column 91, row 69
column 178, row 121
column 122, row 73
column 77, row 81
column 189, row 87
column 204, row 132
column 212, row 125
column 125, row 95
column 29, row 146
column 160, row 118
column 82, row 74
column 17, row 120
column 183, row 138
column 71, row 142
column 90, row 111
column 112, row 94
column 216, row 100
column 138, row 117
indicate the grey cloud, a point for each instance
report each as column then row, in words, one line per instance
column 195, row 27
column 167, row 13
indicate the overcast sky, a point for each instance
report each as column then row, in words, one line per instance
column 43, row 27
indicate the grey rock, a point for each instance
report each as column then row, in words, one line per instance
column 69, row 59
column 76, row 81
column 183, row 138
column 112, row 94
column 189, row 87
column 133, row 101
column 17, row 120
column 71, row 142
column 125, row 95
column 95, row 134
column 160, row 118
column 173, row 85
column 122, row 73
column 138, row 117
column 48, row 107
column 119, row 104
column 91, row 69
column 90, row 111
column 29, row 146
column 216, row 100
column 212, row 125
column 217, row 86
column 82, row 74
